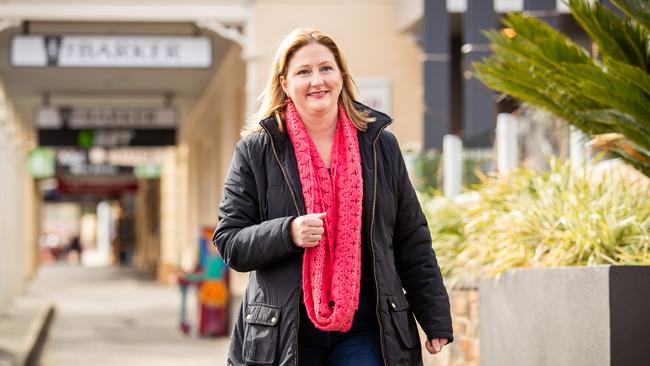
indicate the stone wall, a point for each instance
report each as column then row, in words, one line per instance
column 464, row 351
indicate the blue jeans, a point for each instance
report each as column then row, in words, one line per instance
column 358, row 347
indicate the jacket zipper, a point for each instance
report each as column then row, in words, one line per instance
column 293, row 197
column 286, row 179
column 372, row 247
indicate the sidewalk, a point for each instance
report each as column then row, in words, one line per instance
column 23, row 328
column 113, row 316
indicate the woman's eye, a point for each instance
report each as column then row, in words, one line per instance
column 301, row 72
column 326, row 68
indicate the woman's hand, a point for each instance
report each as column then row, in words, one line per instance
column 435, row 345
column 307, row 230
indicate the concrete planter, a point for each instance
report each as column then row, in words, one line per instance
column 571, row 316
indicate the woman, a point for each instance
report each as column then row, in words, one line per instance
column 319, row 208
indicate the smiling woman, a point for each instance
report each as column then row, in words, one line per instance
column 314, row 83
column 319, row 208
column 323, row 47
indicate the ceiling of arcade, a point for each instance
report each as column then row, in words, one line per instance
column 29, row 86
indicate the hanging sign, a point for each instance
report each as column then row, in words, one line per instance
column 111, row 51
column 78, row 162
column 106, row 138
column 106, row 126
column 75, row 185
column 106, row 117
column 41, row 162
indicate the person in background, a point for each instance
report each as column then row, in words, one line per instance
column 319, row 208
column 74, row 250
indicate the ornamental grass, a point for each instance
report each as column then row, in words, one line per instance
column 563, row 217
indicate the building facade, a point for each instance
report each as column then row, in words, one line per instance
column 410, row 58
column 212, row 102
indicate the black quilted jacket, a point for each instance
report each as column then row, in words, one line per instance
column 262, row 195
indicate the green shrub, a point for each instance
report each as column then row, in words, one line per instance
column 562, row 217
column 426, row 169
column 428, row 174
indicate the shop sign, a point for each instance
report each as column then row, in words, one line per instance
column 132, row 156
column 148, row 171
column 106, row 126
column 106, row 117
column 111, row 51
column 41, row 163
column 106, row 138
column 77, row 162
column 85, row 186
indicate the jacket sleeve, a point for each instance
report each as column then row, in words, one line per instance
column 415, row 258
column 245, row 242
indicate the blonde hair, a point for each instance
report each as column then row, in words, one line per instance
column 274, row 100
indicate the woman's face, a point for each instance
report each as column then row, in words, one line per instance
column 313, row 80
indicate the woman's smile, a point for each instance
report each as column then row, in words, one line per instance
column 318, row 94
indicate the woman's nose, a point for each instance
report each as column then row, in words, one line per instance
column 316, row 79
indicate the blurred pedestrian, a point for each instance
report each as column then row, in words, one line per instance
column 74, row 250
column 318, row 206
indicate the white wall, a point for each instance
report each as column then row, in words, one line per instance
column 367, row 32
column 17, row 216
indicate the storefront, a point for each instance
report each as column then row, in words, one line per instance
column 104, row 76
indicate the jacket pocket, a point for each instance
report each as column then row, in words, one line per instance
column 260, row 334
column 403, row 321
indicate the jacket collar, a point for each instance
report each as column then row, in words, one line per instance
column 365, row 137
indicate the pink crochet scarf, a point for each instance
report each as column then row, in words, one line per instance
column 331, row 270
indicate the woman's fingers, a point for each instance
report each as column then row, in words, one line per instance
column 435, row 345
column 429, row 347
column 307, row 230
column 311, row 230
column 315, row 220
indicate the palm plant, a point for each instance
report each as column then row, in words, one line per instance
column 605, row 94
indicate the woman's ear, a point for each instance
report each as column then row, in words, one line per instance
column 283, row 83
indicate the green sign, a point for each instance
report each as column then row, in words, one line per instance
column 40, row 163
column 85, row 138
column 147, row 171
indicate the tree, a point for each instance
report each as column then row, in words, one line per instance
column 605, row 94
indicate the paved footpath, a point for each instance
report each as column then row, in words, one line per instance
column 114, row 316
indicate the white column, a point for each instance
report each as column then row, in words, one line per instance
column 31, row 228
column 13, row 225
column 452, row 156
column 577, row 149
column 169, row 252
column 250, row 55
column 4, row 213
column 507, row 146
column 27, row 224
column 5, row 206
column 104, row 223
column 185, row 238
column 17, row 242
